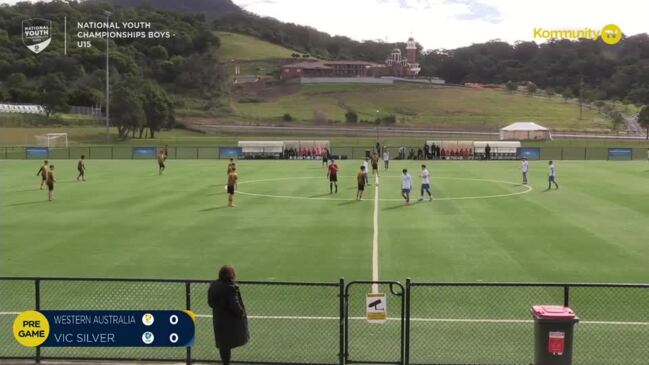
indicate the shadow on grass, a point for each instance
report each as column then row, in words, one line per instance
column 320, row 195
column 26, row 190
column 212, row 209
column 348, row 202
column 28, row 203
column 399, row 206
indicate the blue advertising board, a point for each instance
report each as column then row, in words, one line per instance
column 531, row 153
column 620, row 153
column 37, row 152
column 144, row 152
column 230, row 152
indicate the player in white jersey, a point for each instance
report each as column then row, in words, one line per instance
column 524, row 169
column 406, row 185
column 552, row 175
column 366, row 164
column 386, row 157
column 425, row 183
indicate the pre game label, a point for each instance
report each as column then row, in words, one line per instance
column 105, row 328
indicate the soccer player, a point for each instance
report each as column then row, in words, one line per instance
column 375, row 164
column 81, row 167
column 552, row 176
column 161, row 162
column 325, row 157
column 425, row 183
column 406, row 185
column 231, row 166
column 525, row 168
column 165, row 150
column 386, row 158
column 43, row 172
column 361, row 178
column 50, row 183
column 332, row 174
column 366, row 168
column 232, row 182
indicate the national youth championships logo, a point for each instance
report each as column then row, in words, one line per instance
column 37, row 34
column 609, row 34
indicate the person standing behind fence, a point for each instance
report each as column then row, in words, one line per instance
column 229, row 316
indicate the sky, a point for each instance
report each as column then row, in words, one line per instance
column 450, row 24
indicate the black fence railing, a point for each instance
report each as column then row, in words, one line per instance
column 325, row 323
column 337, row 152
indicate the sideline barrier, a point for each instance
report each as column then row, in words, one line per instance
column 326, row 323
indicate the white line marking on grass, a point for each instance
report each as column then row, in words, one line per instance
column 375, row 238
column 442, row 320
column 528, row 189
column 445, row 320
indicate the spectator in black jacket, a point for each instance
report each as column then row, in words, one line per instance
column 228, row 314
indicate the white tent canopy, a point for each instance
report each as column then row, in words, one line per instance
column 262, row 147
column 524, row 131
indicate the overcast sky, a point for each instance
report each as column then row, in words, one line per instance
column 450, row 23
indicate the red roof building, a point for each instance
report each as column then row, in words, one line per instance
column 395, row 65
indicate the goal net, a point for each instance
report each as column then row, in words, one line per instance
column 52, row 140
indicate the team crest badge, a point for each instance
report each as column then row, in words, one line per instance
column 37, row 34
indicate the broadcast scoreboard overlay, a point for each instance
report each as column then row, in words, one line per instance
column 54, row 328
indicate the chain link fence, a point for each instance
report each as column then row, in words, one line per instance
column 492, row 323
column 325, row 323
column 337, row 152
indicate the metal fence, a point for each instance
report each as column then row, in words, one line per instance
column 324, row 323
column 338, row 152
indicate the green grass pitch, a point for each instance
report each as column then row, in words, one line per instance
column 126, row 221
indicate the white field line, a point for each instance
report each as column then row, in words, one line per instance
column 443, row 320
column 375, row 238
column 528, row 189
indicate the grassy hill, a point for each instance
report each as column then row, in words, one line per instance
column 246, row 48
column 438, row 106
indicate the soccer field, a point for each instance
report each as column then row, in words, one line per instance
column 126, row 221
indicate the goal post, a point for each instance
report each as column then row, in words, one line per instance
column 52, row 140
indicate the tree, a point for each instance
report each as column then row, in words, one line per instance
column 351, row 117
column 158, row 109
column 567, row 94
column 126, row 112
column 643, row 118
column 54, row 96
column 617, row 119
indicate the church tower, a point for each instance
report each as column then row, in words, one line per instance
column 411, row 51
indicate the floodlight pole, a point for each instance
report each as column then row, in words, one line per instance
column 108, row 14
column 581, row 96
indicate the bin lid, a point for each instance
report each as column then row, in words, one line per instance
column 553, row 312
